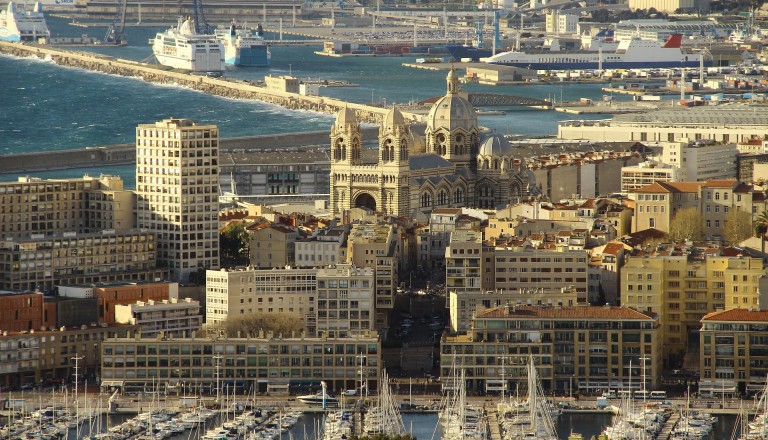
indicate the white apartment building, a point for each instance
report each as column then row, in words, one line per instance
column 646, row 173
column 561, row 23
column 248, row 290
column 700, row 161
column 345, row 300
column 174, row 318
column 665, row 6
column 177, row 188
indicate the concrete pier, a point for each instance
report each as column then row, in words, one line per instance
column 215, row 86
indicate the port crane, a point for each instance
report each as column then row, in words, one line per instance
column 201, row 23
column 116, row 30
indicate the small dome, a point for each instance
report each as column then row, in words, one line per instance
column 495, row 145
column 393, row 118
column 346, row 116
column 418, row 146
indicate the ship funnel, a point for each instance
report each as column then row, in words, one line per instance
column 674, row 41
column 38, row 8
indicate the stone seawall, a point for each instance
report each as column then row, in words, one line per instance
column 125, row 154
column 214, row 86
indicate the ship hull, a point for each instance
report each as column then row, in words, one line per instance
column 593, row 65
column 254, row 56
column 461, row 52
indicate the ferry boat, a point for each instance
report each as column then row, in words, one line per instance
column 633, row 53
column 244, row 47
column 16, row 25
column 180, row 47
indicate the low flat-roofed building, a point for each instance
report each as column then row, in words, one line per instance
column 172, row 317
column 581, row 348
column 734, row 123
column 109, row 295
column 265, row 364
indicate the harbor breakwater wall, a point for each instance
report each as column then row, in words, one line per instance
column 215, row 86
column 125, row 154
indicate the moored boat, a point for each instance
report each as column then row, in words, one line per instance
column 244, row 47
column 17, row 25
column 182, row 48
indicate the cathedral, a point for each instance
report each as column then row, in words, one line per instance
column 454, row 165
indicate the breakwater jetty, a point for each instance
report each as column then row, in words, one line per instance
column 125, row 154
column 224, row 87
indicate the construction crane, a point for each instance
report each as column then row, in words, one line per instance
column 201, row 23
column 116, row 30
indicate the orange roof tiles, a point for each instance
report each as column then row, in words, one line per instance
column 744, row 315
column 721, row 183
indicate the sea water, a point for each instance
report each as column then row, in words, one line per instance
column 48, row 107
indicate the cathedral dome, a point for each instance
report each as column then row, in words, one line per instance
column 453, row 110
column 346, row 116
column 495, row 145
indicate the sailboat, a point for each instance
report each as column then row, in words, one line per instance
column 532, row 418
column 758, row 427
column 458, row 419
column 384, row 417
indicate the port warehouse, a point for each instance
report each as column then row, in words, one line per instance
column 215, row 10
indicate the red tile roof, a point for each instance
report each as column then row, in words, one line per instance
column 743, row 315
column 671, row 187
column 613, row 248
column 721, row 183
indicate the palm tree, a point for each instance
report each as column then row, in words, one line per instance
column 760, row 226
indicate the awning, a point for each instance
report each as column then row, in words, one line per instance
column 111, row 383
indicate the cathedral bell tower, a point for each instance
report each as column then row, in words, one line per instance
column 346, row 141
column 394, row 164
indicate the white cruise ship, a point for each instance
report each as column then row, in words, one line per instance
column 181, row 48
column 16, row 26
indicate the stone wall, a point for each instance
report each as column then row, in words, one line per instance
column 215, row 86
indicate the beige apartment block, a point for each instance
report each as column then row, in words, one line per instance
column 43, row 354
column 243, row 291
column 177, row 188
column 581, row 348
column 718, row 199
column 684, row 285
column 734, row 353
column 656, row 204
column 377, row 246
column 345, row 300
column 327, row 247
column 268, row 363
column 172, row 317
column 273, row 246
column 699, row 161
column 72, row 258
column 31, row 206
column 646, row 173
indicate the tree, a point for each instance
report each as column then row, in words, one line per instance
column 686, row 225
column 234, row 243
column 760, row 226
column 287, row 324
column 738, row 227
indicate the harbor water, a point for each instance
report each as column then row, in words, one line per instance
column 47, row 107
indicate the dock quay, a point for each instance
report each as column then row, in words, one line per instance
column 215, row 86
column 666, row 431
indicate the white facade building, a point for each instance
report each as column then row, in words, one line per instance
column 177, row 189
column 327, row 247
column 700, row 161
column 173, row 318
column 646, row 173
column 246, row 291
column 345, row 301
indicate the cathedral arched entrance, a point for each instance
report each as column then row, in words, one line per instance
column 365, row 200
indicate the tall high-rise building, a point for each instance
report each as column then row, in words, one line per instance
column 177, row 187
